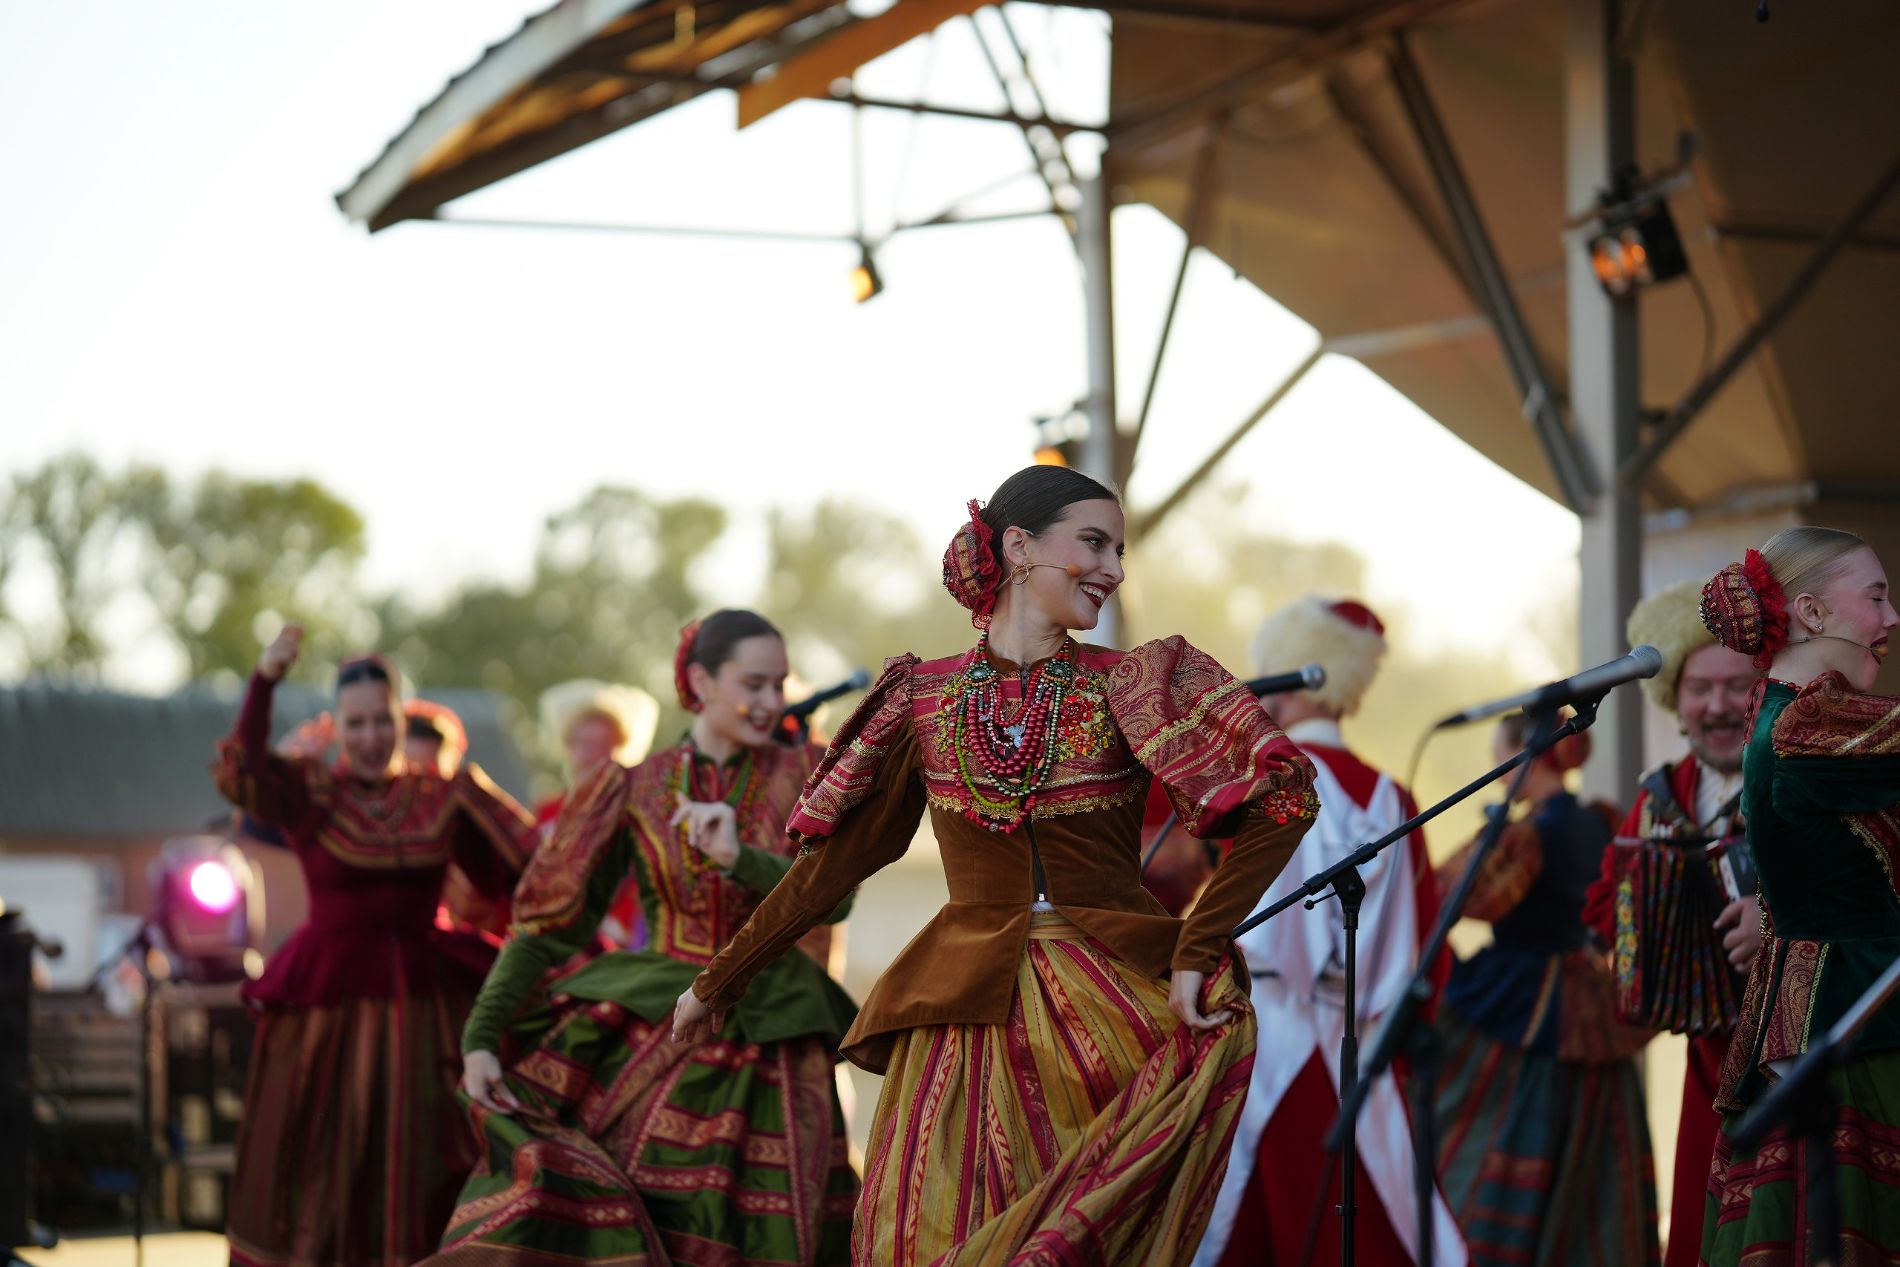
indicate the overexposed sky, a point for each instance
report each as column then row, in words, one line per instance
column 177, row 285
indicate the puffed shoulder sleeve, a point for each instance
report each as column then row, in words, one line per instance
column 1216, row 752
column 1227, row 769
column 552, row 895
column 852, row 767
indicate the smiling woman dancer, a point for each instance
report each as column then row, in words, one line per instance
column 1821, row 796
column 352, row 1145
column 605, row 1141
column 1048, row 1088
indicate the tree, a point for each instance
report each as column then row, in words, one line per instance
column 611, row 586
column 850, row 586
column 68, row 513
column 228, row 555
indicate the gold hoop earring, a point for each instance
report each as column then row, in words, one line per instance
column 1020, row 575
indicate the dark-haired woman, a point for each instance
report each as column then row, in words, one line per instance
column 352, row 1145
column 1543, row 1138
column 1064, row 1061
column 605, row 1141
column 1821, row 796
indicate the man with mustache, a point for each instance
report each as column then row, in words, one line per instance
column 1707, row 686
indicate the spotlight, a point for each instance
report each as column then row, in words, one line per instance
column 206, row 910
column 866, row 285
column 1637, row 246
column 213, row 887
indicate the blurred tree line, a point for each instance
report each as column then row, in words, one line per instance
column 211, row 565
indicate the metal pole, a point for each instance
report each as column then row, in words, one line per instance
column 1599, row 142
column 1098, row 298
column 1575, row 478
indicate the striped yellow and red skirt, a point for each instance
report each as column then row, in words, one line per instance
column 1090, row 1127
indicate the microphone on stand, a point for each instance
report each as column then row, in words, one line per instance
column 796, row 719
column 1308, row 677
column 1641, row 662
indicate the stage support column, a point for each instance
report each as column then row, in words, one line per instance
column 1605, row 399
column 1098, row 300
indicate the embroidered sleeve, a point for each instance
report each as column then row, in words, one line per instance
column 875, row 832
column 1507, row 876
column 1227, row 770
column 553, row 895
column 1200, row 732
column 857, row 762
column 504, row 829
column 567, row 887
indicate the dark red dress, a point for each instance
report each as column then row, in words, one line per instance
column 352, row 1145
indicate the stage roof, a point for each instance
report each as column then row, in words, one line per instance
column 1320, row 190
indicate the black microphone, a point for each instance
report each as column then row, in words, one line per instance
column 802, row 710
column 1308, row 677
column 1641, row 662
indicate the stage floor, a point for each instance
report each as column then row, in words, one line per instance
column 166, row 1249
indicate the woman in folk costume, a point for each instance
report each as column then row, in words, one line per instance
column 1683, row 807
column 592, row 722
column 1543, row 1136
column 352, row 1146
column 1297, row 960
column 606, row 1141
column 1821, row 793
column 1063, row 1060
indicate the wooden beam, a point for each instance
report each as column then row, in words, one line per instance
column 812, row 72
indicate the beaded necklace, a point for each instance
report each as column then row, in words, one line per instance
column 743, row 796
column 1016, row 751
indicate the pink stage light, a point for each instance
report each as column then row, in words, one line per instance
column 213, row 887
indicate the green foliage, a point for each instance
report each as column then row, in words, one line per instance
column 227, row 555
column 68, row 514
column 222, row 561
column 613, row 581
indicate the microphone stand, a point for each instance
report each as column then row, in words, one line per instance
column 1804, row 1102
column 1401, row 1028
column 137, row 951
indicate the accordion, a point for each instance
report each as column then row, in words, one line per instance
column 1669, row 967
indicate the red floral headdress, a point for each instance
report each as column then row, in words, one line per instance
column 689, row 699
column 1744, row 606
column 970, row 570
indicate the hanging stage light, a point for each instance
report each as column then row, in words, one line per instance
column 1059, row 439
column 866, row 285
column 1637, row 245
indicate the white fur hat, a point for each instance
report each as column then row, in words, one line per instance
column 632, row 711
column 1342, row 636
column 1669, row 620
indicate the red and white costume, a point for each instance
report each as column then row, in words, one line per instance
column 1297, row 960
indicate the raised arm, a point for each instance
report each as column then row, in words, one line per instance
column 248, row 774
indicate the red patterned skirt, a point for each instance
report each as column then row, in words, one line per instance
column 353, row 1145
